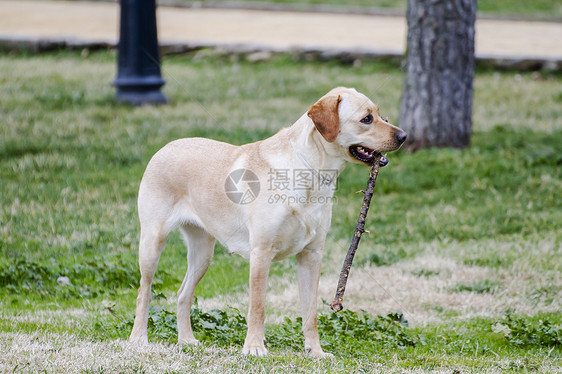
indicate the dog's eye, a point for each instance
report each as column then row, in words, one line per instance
column 367, row 119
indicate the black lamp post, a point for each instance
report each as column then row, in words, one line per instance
column 139, row 80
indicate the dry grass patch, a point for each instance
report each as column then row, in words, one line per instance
column 56, row 352
column 432, row 288
column 53, row 353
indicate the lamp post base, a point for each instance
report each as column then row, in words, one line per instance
column 137, row 96
column 139, row 80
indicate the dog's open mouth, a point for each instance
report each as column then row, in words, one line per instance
column 367, row 155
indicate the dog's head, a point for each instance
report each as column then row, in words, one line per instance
column 348, row 119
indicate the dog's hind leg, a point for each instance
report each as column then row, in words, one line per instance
column 200, row 248
column 152, row 243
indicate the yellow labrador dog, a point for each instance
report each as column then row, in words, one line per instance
column 265, row 201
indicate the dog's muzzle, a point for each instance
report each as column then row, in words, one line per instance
column 367, row 155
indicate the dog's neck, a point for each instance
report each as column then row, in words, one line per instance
column 312, row 150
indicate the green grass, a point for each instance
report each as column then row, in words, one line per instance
column 535, row 8
column 481, row 224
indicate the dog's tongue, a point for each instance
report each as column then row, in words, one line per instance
column 383, row 161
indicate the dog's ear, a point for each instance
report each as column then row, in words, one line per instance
column 325, row 115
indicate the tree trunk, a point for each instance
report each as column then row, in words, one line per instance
column 436, row 105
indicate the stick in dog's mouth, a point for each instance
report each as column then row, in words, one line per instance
column 368, row 155
column 377, row 162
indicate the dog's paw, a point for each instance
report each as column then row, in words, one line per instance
column 254, row 351
column 318, row 353
column 138, row 339
column 188, row 341
column 322, row 354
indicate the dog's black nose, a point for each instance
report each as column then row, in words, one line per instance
column 401, row 136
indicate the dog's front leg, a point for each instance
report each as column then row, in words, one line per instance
column 309, row 263
column 260, row 262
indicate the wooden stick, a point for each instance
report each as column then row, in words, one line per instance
column 359, row 230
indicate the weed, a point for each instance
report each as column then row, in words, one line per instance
column 23, row 276
column 228, row 327
column 221, row 327
column 524, row 332
column 94, row 277
column 481, row 286
column 353, row 329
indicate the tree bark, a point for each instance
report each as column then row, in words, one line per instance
column 436, row 105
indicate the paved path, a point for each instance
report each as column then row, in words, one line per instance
column 86, row 22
